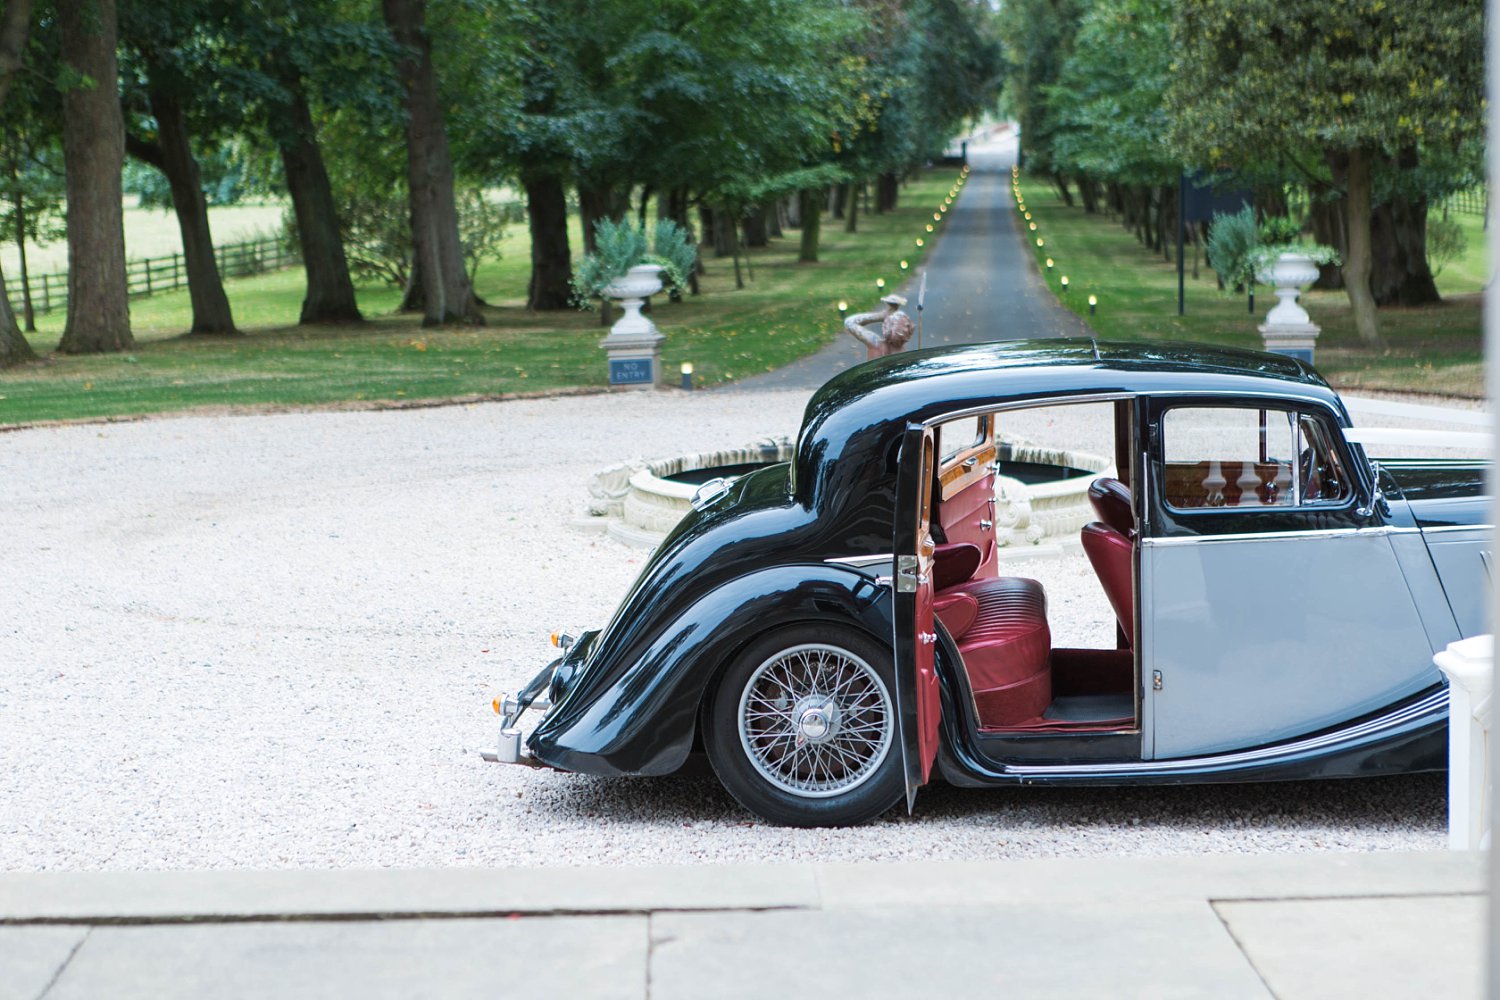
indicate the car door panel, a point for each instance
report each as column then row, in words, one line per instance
column 1268, row 614
column 914, row 634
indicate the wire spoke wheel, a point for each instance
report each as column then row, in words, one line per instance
column 816, row 720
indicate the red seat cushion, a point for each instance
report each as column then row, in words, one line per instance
column 1110, row 551
column 1006, row 649
column 1111, row 500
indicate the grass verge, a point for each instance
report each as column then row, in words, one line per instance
column 786, row 310
column 1436, row 349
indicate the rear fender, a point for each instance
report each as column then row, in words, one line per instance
column 640, row 717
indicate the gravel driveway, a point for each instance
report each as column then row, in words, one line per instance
column 271, row 642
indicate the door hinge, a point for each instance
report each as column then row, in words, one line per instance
column 908, row 579
column 1156, row 680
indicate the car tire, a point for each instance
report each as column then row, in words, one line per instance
column 802, row 728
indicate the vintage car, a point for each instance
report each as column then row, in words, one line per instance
column 834, row 630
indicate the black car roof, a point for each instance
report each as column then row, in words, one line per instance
column 922, row 385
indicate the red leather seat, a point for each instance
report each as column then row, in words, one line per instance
column 1001, row 629
column 1110, row 553
column 1112, row 505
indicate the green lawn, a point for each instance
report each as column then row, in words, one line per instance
column 786, row 311
column 1433, row 349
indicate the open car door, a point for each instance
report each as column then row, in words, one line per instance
column 918, row 698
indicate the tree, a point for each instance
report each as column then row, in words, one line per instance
column 446, row 294
column 174, row 64
column 1369, row 81
column 93, row 155
column 15, row 23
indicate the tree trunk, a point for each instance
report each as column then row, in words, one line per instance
column 598, row 202
column 645, row 201
column 1398, row 240
column 18, row 204
column 851, row 217
column 793, row 208
column 13, row 346
column 1357, row 263
column 774, row 218
column 811, row 210
column 839, row 199
column 412, row 298
column 887, row 189
column 93, row 156
column 724, row 223
column 721, row 228
column 15, row 23
column 551, row 259
column 1061, row 183
column 447, row 294
column 173, row 154
column 1327, row 215
column 330, row 291
column 1088, row 193
column 754, row 226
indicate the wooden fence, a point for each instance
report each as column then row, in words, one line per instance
column 152, row 275
column 1474, row 201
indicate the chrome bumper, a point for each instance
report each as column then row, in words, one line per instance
column 508, row 748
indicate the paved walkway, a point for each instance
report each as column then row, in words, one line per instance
column 981, row 282
column 1221, row 927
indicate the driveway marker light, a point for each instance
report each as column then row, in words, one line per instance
column 921, row 242
column 687, row 375
column 904, row 265
column 1093, row 301
column 929, row 227
column 1064, row 280
column 1040, row 242
column 1032, row 225
column 1049, row 263
column 843, row 308
column 879, row 282
column 937, row 216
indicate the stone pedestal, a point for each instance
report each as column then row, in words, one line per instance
column 633, row 347
column 1295, row 340
column 1469, row 665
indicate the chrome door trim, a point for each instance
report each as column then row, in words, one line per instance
column 1270, row 536
column 859, row 562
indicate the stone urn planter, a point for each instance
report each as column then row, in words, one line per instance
column 1288, row 329
column 633, row 346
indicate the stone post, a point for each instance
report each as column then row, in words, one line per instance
column 1469, row 665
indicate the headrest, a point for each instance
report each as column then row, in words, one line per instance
column 1111, row 500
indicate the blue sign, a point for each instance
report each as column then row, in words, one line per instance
column 1300, row 353
column 630, row 371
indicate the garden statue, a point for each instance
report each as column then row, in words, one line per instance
column 896, row 328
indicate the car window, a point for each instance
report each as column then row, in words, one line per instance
column 957, row 436
column 1244, row 458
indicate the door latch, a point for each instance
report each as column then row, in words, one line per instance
column 908, row 575
column 1156, row 680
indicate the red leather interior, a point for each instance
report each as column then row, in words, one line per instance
column 1110, row 552
column 1111, row 500
column 1005, row 649
column 960, row 516
column 954, row 563
column 957, row 612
